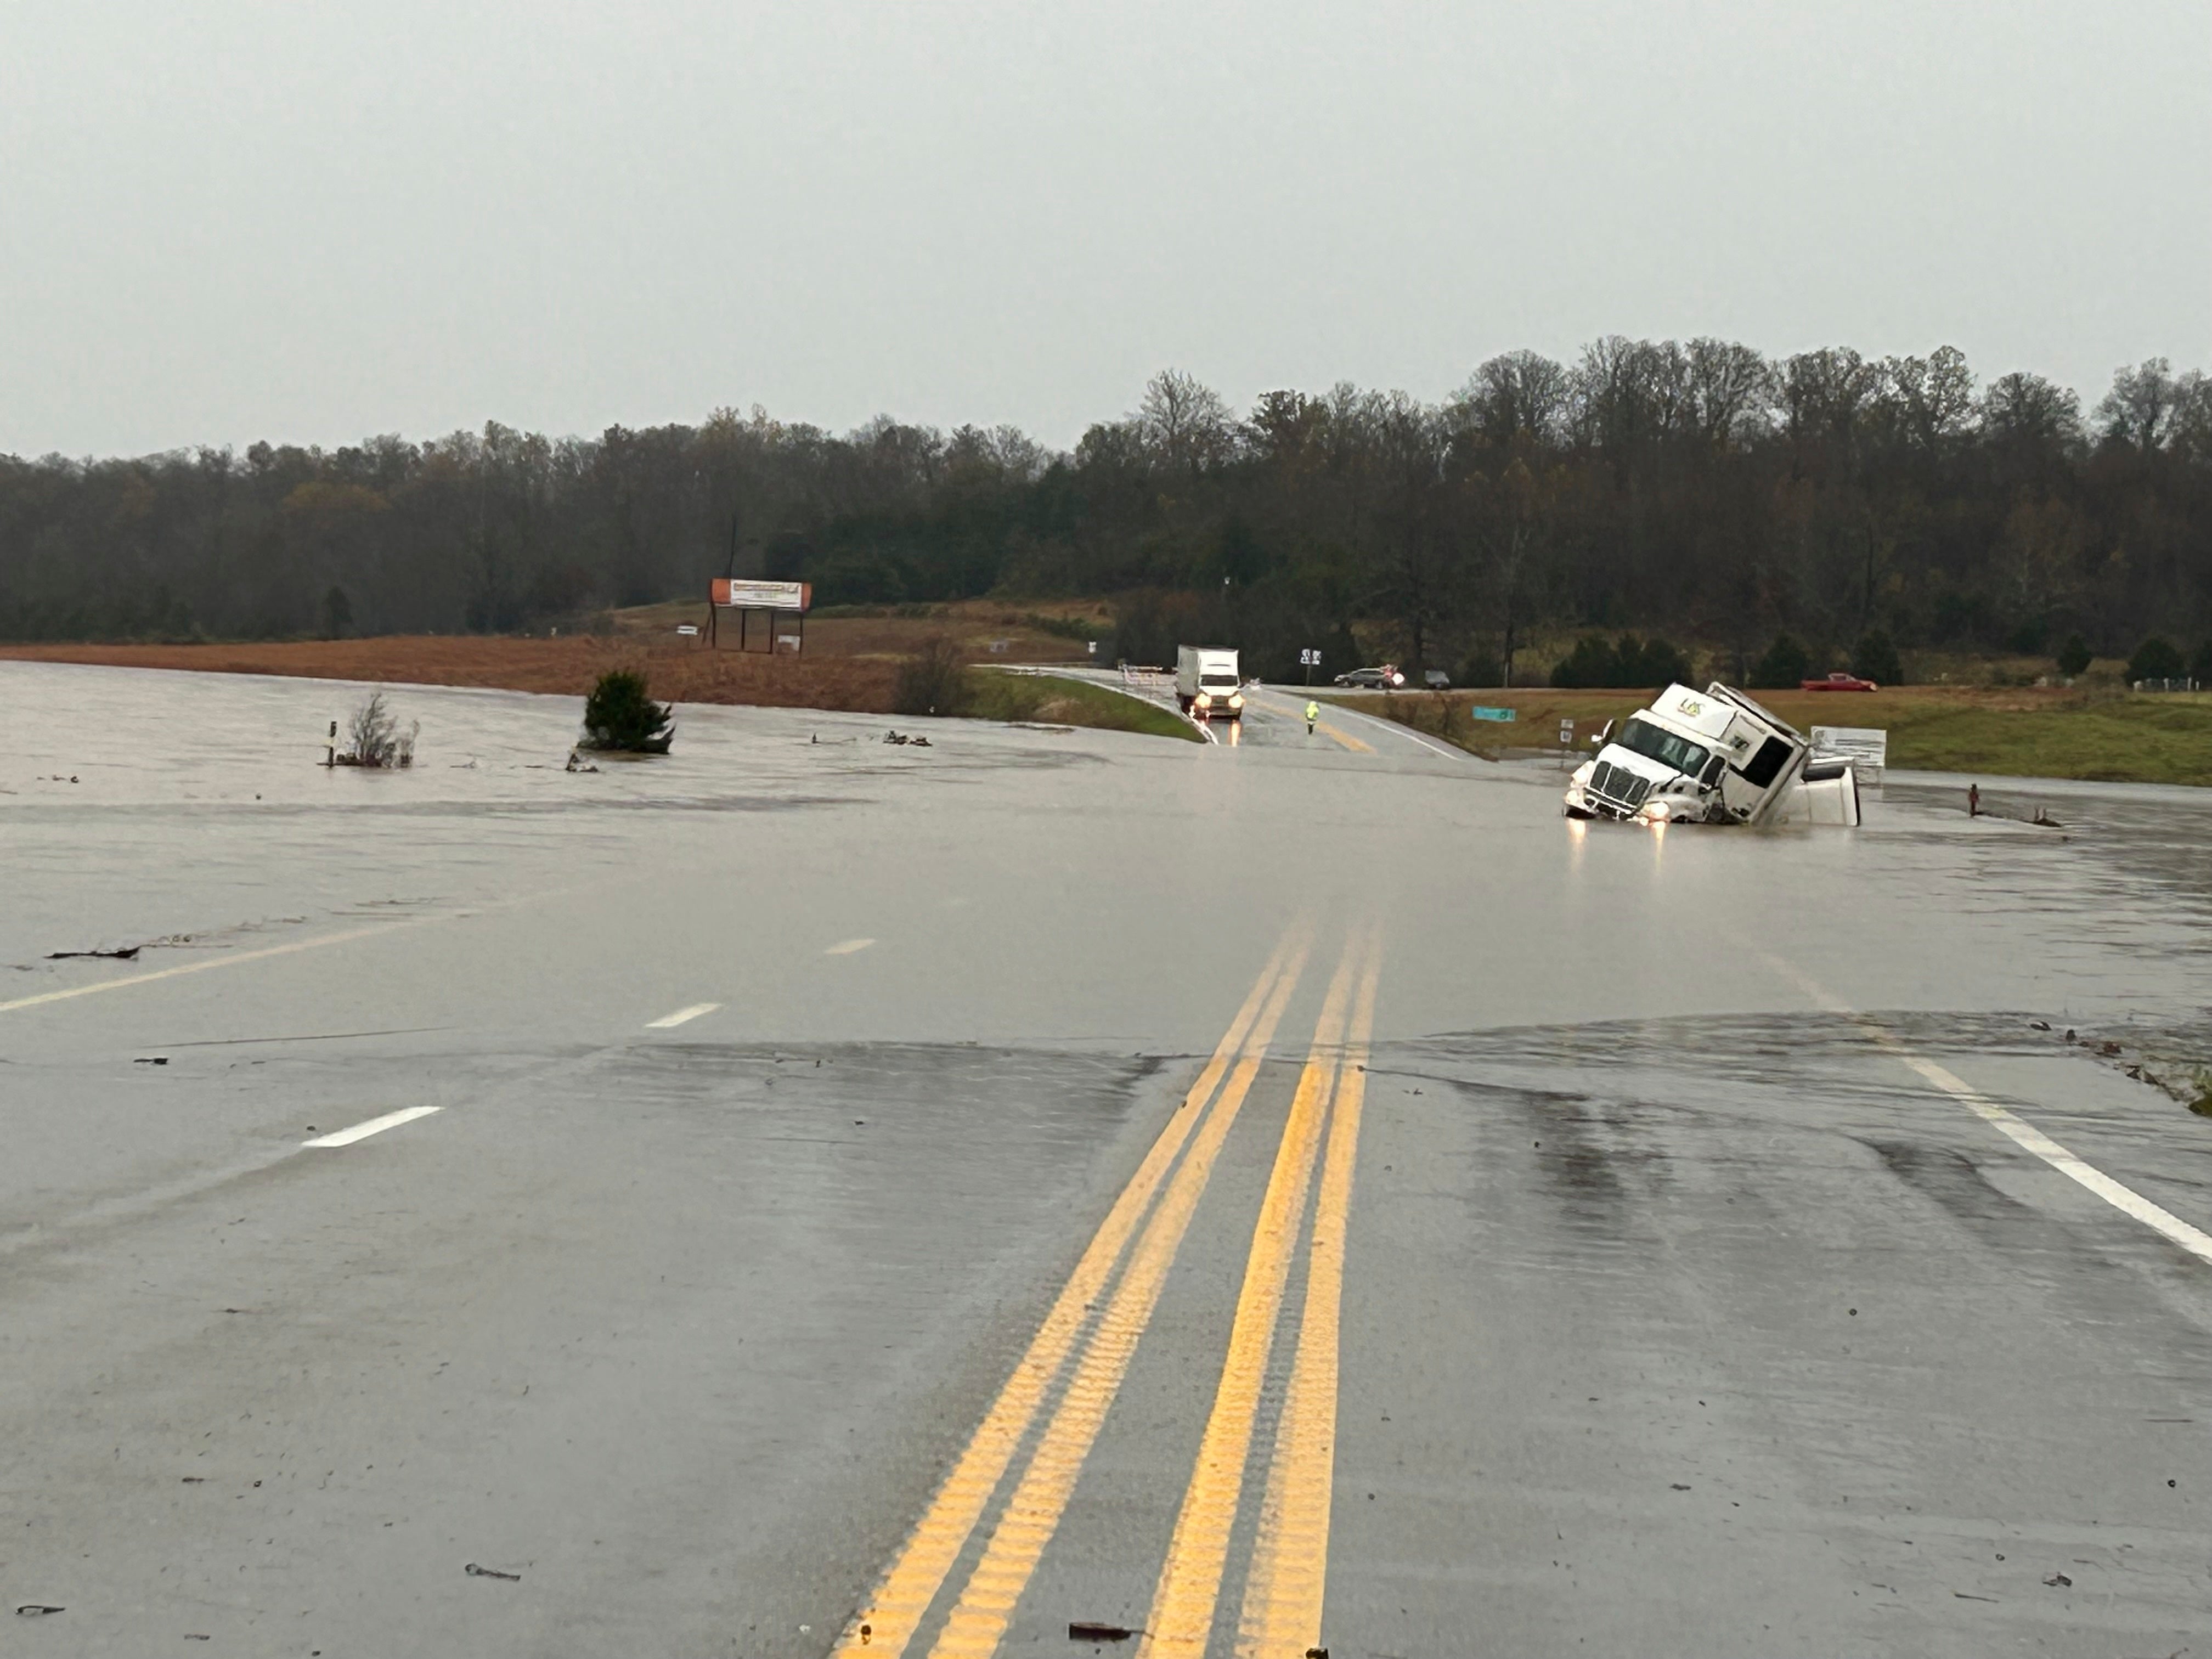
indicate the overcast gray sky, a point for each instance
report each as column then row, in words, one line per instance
column 316, row 221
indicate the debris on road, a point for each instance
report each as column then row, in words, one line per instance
column 127, row 953
column 476, row 1572
column 1082, row 1630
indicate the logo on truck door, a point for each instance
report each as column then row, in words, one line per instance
column 1692, row 706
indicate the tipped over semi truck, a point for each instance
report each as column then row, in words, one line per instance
column 1711, row 756
column 1207, row 684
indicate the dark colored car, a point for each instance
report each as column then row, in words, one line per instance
column 1386, row 676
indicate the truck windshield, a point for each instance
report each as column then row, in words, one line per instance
column 1664, row 747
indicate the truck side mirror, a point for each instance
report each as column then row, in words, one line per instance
column 1604, row 735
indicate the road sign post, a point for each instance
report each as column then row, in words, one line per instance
column 1309, row 659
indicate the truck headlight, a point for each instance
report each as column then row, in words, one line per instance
column 1656, row 811
column 1205, row 700
column 1236, row 699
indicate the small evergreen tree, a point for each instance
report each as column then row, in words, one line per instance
column 619, row 715
column 1654, row 663
column 2074, row 657
column 1480, row 668
column 1592, row 662
column 1874, row 657
column 1783, row 667
column 934, row 681
column 2155, row 659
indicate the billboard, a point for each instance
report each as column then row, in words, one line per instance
column 737, row 591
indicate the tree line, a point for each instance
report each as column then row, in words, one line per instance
column 1694, row 492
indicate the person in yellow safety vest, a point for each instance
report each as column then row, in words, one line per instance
column 1313, row 713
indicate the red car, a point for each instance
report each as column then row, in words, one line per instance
column 1839, row 683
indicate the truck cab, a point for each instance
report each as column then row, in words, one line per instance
column 1207, row 682
column 1710, row 756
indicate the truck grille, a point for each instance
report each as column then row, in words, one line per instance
column 1618, row 785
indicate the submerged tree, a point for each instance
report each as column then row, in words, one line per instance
column 619, row 715
column 373, row 737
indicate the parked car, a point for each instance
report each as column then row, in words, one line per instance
column 1437, row 680
column 1386, row 676
column 1839, row 682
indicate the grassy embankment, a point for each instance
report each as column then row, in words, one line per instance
column 1048, row 700
column 2026, row 731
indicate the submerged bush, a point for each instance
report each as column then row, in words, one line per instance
column 373, row 737
column 932, row 681
column 620, row 714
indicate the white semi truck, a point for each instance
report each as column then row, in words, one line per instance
column 1711, row 756
column 1207, row 684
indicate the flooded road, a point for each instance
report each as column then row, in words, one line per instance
column 1299, row 1193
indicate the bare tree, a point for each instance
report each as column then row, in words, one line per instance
column 1520, row 394
column 373, row 737
column 2139, row 410
column 1185, row 426
column 1933, row 395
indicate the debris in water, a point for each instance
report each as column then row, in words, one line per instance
column 128, row 953
column 2059, row 1581
column 2039, row 1025
column 151, row 1059
column 36, row 1610
column 1082, row 1630
column 476, row 1572
column 1679, row 1487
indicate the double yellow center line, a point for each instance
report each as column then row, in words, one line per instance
column 1282, row 1589
column 1285, row 1585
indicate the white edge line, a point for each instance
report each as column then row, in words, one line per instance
column 374, row 1125
column 681, row 1015
column 2025, row 1134
column 2021, row 1132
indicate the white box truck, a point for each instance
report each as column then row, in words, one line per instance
column 1207, row 684
column 1711, row 756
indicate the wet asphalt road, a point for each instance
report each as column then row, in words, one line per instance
column 1697, row 1286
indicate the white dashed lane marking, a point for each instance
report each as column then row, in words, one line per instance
column 681, row 1015
column 375, row 1126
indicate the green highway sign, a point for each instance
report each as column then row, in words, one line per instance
column 1503, row 714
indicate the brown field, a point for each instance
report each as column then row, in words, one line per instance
column 849, row 662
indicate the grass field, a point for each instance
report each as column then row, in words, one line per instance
column 2028, row 732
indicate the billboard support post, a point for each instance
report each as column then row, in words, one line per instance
column 772, row 599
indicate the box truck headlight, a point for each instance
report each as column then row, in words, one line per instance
column 1656, row 811
column 1205, row 700
column 1236, row 699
